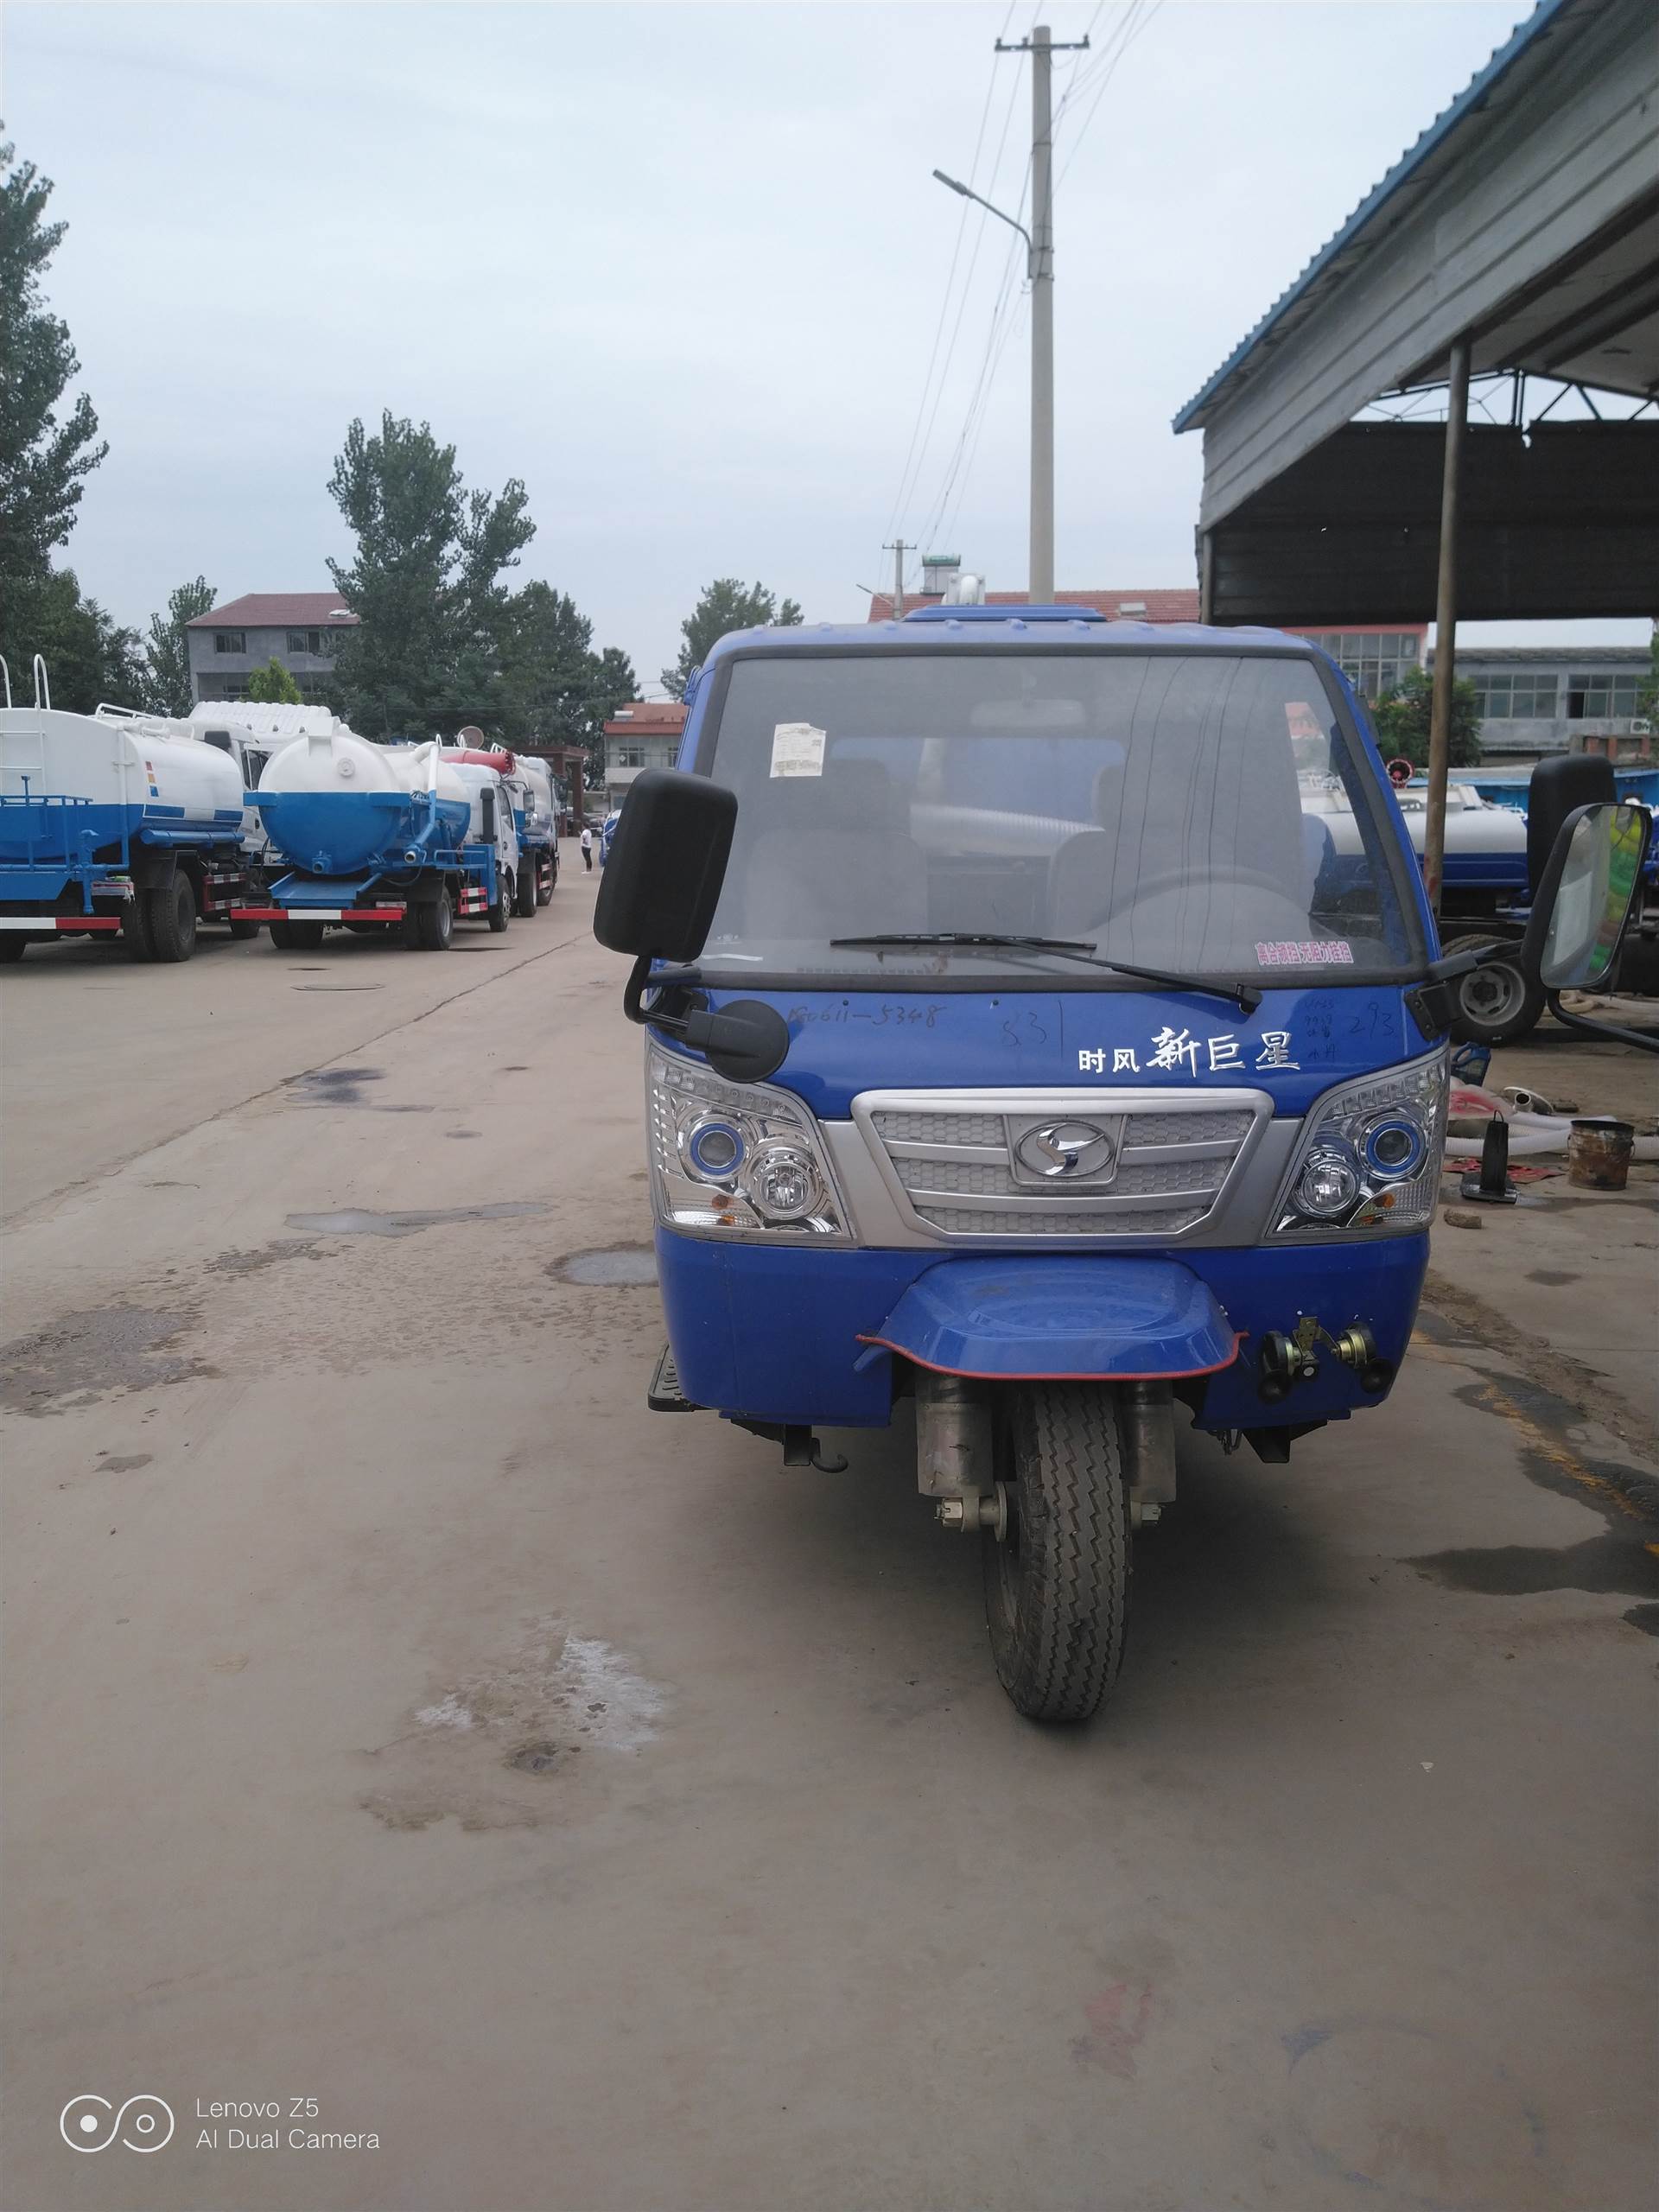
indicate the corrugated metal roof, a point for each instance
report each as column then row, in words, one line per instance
column 1407, row 169
column 273, row 610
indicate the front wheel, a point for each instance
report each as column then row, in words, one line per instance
column 523, row 887
column 1498, row 1002
column 547, row 880
column 501, row 914
column 1056, row 1587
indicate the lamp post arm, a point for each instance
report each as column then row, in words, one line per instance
column 1030, row 250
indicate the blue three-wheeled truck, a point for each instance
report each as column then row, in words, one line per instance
column 1020, row 1040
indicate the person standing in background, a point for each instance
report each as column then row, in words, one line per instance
column 587, row 848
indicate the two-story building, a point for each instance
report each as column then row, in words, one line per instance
column 646, row 734
column 301, row 629
column 1536, row 700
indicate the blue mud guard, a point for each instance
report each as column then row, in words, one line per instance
column 1128, row 1318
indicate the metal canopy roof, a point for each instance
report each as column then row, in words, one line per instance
column 1526, row 219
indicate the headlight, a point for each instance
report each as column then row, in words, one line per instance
column 735, row 1159
column 1369, row 1157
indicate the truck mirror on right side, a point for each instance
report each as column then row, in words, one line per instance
column 662, row 882
column 1590, row 888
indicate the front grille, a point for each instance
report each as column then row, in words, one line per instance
column 956, row 1166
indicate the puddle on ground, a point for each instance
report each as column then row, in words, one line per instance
column 333, row 1086
column 111, row 1348
column 358, row 1221
column 620, row 1266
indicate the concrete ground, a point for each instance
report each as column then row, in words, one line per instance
column 398, row 1716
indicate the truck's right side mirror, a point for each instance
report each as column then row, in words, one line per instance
column 1590, row 887
column 661, row 884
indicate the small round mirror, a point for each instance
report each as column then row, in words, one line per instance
column 1600, row 873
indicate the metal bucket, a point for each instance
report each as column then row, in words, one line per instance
column 1599, row 1153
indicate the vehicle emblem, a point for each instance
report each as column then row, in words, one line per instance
column 1073, row 1149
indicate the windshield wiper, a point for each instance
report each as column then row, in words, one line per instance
column 1245, row 996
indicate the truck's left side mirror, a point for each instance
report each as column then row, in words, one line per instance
column 661, row 884
column 1590, row 887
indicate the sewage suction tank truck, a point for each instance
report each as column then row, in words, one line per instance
column 114, row 824
column 373, row 836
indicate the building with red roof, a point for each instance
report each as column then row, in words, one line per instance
column 301, row 629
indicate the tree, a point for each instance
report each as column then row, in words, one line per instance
column 555, row 689
column 44, row 461
column 724, row 604
column 1647, row 698
column 425, row 581
column 167, row 684
column 1402, row 715
column 88, row 658
column 273, row 686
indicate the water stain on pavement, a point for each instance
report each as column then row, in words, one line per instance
column 80, row 1358
column 616, row 1267
column 265, row 1256
column 358, row 1221
column 333, row 1086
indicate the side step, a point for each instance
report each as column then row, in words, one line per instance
column 665, row 1395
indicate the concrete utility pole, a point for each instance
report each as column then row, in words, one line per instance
column 1445, row 620
column 1041, row 47
column 897, row 549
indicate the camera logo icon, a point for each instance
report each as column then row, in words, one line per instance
column 91, row 2123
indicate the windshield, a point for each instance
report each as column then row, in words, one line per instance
column 1200, row 811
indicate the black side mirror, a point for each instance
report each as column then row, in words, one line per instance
column 486, row 812
column 1591, row 885
column 668, row 861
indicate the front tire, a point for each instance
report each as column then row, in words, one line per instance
column 524, row 888
column 1498, row 1003
column 172, row 920
column 547, row 880
column 1057, row 1587
column 501, row 914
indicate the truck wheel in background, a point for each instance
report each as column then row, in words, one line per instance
column 136, row 933
column 547, row 880
column 13, row 945
column 172, row 918
column 241, row 931
column 1498, row 1003
column 429, row 924
column 501, row 912
column 1057, row 1587
column 296, row 936
column 523, row 887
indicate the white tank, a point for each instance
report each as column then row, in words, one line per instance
column 478, row 779
column 320, row 800
column 141, row 766
column 539, row 814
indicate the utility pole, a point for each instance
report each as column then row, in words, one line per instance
column 897, row 549
column 1041, row 47
column 1445, row 617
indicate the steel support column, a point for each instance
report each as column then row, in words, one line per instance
column 1445, row 620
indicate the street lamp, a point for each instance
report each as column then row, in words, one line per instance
column 1030, row 250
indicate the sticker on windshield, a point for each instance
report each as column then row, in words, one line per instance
column 1313, row 952
column 796, row 750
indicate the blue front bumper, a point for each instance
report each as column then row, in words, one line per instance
column 795, row 1335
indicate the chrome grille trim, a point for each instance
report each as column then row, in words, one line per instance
column 1202, row 1145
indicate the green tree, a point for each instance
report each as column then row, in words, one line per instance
column 425, row 581
column 44, row 457
column 1402, row 717
column 274, row 686
column 167, row 681
column 88, row 657
column 723, row 606
column 556, row 689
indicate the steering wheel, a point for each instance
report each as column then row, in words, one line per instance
column 1181, row 880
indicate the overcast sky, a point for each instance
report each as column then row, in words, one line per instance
column 681, row 268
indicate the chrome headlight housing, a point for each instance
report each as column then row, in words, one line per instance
column 1370, row 1155
column 736, row 1160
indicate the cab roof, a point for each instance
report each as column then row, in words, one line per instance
column 995, row 629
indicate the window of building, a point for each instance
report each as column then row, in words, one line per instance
column 1374, row 661
column 1521, row 696
column 630, row 756
column 316, row 642
column 230, row 641
column 1602, row 696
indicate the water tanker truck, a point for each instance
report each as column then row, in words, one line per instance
column 529, row 787
column 114, row 825
column 376, row 836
